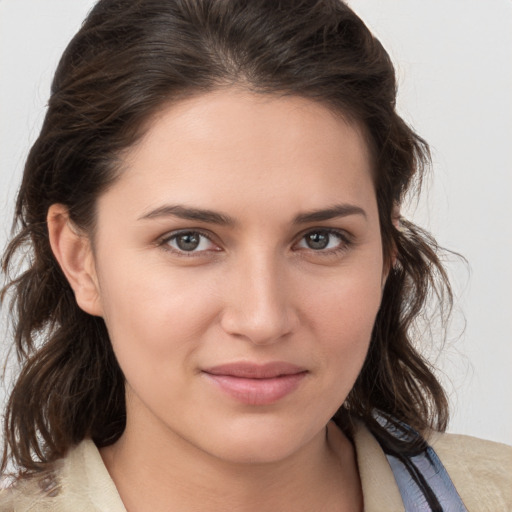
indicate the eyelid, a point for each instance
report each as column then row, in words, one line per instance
column 346, row 238
column 163, row 242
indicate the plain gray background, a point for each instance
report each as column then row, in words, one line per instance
column 453, row 61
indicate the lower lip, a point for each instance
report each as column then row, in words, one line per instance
column 257, row 391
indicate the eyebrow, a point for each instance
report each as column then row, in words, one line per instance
column 333, row 212
column 213, row 217
column 188, row 213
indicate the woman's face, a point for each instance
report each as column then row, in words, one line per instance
column 239, row 270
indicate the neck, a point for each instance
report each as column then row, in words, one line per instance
column 156, row 472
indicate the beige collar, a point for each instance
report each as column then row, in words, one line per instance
column 380, row 491
column 86, row 474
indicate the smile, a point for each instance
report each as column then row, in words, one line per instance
column 256, row 384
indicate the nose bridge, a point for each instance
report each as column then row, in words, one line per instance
column 258, row 307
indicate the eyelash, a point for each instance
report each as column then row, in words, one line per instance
column 346, row 242
column 164, row 242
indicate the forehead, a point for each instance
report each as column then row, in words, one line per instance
column 231, row 144
column 237, row 112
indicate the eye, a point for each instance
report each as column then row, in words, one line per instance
column 188, row 242
column 323, row 240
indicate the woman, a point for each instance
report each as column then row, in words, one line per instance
column 217, row 310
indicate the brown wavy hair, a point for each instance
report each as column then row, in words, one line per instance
column 130, row 58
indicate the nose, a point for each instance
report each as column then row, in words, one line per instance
column 259, row 305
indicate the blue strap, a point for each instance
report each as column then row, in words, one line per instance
column 428, row 469
column 422, row 480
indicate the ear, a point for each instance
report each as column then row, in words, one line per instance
column 395, row 220
column 73, row 252
column 395, row 216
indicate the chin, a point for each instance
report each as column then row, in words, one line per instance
column 262, row 440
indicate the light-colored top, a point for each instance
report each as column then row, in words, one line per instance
column 480, row 470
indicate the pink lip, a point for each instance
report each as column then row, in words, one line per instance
column 256, row 384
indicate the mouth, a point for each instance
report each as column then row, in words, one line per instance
column 256, row 384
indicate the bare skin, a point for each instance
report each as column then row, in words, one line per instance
column 323, row 477
column 242, row 231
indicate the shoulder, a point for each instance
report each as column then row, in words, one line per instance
column 31, row 493
column 78, row 482
column 480, row 470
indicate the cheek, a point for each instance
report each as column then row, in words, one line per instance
column 350, row 296
column 156, row 323
column 342, row 315
column 154, row 313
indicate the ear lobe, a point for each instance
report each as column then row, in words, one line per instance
column 73, row 252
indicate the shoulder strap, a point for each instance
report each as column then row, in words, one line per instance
column 423, row 481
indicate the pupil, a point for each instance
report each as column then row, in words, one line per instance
column 318, row 240
column 188, row 241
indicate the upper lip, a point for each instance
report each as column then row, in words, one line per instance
column 255, row 370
